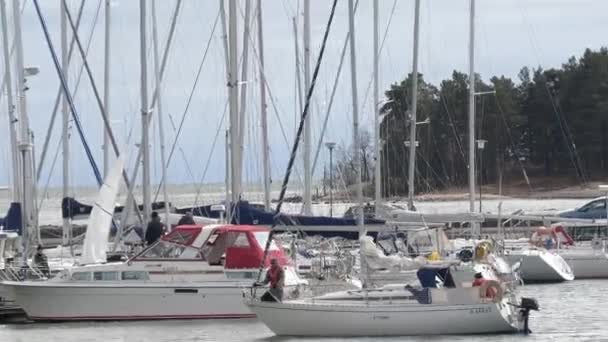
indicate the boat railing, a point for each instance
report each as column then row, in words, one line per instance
column 19, row 273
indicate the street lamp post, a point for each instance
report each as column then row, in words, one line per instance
column 330, row 146
column 481, row 144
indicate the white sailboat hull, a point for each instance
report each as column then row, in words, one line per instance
column 300, row 319
column 586, row 265
column 54, row 302
column 540, row 266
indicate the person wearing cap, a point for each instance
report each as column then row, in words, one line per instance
column 276, row 278
column 155, row 229
column 187, row 219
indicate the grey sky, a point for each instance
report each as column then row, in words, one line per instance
column 510, row 34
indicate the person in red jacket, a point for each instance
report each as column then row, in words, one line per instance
column 276, row 278
column 479, row 281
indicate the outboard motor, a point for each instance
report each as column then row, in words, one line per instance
column 527, row 305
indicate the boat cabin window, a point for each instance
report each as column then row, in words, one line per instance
column 241, row 240
column 170, row 250
column 105, row 276
column 215, row 248
column 81, row 276
column 181, row 236
column 262, row 239
column 135, row 275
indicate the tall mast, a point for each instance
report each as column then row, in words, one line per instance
column 243, row 87
column 377, row 169
column 65, row 114
column 472, row 112
column 11, row 106
column 159, row 106
column 106, row 86
column 263, row 111
column 355, row 102
column 228, row 135
column 145, row 110
column 411, row 175
column 25, row 145
column 307, row 123
column 235, row 179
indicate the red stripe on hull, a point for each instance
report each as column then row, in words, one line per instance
column 141, row 318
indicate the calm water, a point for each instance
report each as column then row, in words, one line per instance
column 574, row 311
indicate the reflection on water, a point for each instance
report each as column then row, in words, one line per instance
column 573, row 311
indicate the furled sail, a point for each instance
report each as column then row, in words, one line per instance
column 98, row 227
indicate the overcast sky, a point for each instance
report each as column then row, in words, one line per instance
column 510, row 34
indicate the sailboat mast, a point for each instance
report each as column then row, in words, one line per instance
column 228, row 131
column 355, row 103
column 243, row 87
column 472, row 112
column 145, row 110
column 233, row 102
column 65, row 115
column 106, row 85
column 159, row 106
column 25, row 145
column 377, row 168
column 307, row 124
column 11, row 106
column 412, row 155
column 263, row 112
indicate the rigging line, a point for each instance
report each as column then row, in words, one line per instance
column 576, row 154
column 298, row 137
column 421, row 155
column 208, row 162
column 187, row 108
column 388, row 25
column 272, row 99
column 451, row 124
column 3, row 86
column 538, row 52
column 188, row 167
column 49, row 131
column 100, row 104
column 512, row 140
column 68, row 95
column 562, row 122
column 130, row 195
column 48, row 179
column 332, row 96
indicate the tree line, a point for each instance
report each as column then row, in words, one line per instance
column 547, row 123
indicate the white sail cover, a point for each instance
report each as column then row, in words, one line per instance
column 407, row 216
column 376, row 260
column 100, row 220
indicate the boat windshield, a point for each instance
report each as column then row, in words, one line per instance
column 262, row 239
column 171, row 250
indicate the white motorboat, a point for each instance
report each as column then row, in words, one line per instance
column 193, row 272
column 449, row 307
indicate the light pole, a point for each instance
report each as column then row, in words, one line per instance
column 330, row 146
column 481, row 144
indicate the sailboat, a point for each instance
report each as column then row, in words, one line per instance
column 440, row 304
